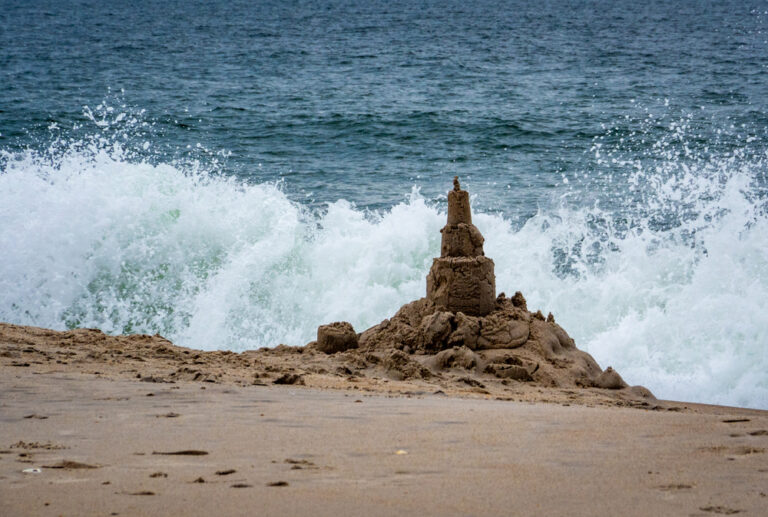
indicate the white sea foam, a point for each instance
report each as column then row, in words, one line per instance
column 93, row 240
column 90, row 238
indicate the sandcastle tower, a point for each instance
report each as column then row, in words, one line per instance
column 462, row 279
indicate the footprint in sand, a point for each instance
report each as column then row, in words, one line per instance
column 35, row 445
column 188, row 452
column 733, row 451
column 70, row 465
column 300, row 464
column 746, row 450
column 722, row 510
column 675, row 486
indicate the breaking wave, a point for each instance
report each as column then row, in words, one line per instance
column 671, row 289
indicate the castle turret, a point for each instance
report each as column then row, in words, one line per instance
column 462, row 279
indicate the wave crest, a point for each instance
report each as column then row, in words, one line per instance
column 671, row 288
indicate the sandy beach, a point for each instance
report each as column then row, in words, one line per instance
column 463, row 402
column 85, row 434
column 497, row 258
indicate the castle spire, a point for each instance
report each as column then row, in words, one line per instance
column 462, row 278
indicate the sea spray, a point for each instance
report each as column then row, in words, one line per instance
column 681, row 310
column 93, row 241
column 95, row 236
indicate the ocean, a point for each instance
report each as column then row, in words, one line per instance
column 233, row 174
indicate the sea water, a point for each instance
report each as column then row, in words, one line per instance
column 233, row 174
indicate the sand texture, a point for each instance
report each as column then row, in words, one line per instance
column 377, row 365
column 92, row 424
column 76, row 443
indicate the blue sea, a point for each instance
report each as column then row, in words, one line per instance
column 233, row 174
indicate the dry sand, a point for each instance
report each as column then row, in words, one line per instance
column 91, row 419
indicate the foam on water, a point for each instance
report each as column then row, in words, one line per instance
column 92, row 240
column 681, row 310
column 93, row 236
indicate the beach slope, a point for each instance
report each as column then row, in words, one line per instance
column 106, row 425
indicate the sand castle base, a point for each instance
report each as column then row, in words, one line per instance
column 462, row 284
column 461, row 331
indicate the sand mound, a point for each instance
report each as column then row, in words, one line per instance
column 508, row 346
column 508, row 343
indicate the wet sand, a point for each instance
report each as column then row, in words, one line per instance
column 293, row 450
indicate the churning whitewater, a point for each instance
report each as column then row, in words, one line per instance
column 93, row 237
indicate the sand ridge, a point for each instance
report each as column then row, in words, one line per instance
column 154, row 359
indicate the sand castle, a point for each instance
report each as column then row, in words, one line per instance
column 462, row 278
column 462, row 332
